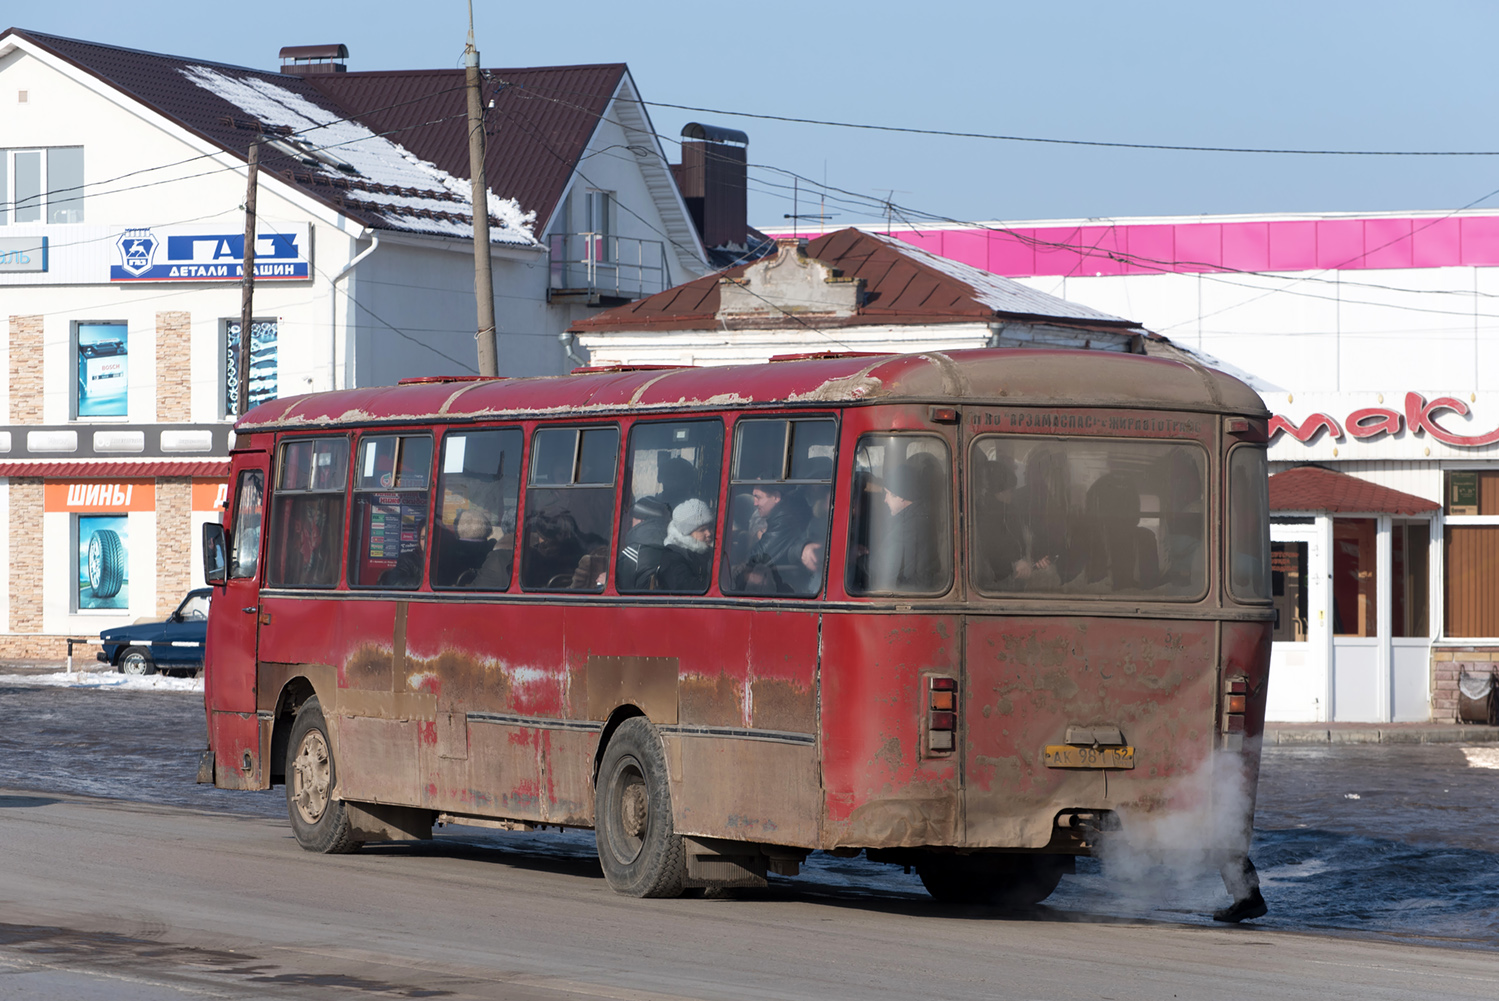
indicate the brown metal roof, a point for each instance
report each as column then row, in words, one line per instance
column 540, row 123
column 1312, row 488
column 902, row 285
column 116, row 470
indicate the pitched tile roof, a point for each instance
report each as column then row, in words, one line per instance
column 1312, row 488
column 403, row 132
column 902, row 285
column 539, row 124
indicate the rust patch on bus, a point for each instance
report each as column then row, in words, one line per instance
column 647, row 682
column 744, row 790
column 782, row 705
column 926, row 815
column 369, row 669
column 711, row 700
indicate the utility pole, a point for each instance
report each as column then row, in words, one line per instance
column 247, row 285
column 483, row 279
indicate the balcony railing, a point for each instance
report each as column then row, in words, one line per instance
column 605, row 270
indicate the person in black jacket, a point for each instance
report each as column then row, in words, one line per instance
column 687, row 558
column 908, row 557
column 775, row 564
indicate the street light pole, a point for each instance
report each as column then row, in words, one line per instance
column 483, row 278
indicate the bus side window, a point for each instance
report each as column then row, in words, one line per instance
column 477, row 492
column 249, row 515
column 388, row 532
column 569, row 509
column 779, row 490
column 671, row 507
column 900, row 529
column 307, row 513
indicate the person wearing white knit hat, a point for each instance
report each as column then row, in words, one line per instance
column 688, row 556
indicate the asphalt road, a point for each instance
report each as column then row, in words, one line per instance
column 204, row 894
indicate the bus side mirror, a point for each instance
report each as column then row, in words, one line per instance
column 215, row 553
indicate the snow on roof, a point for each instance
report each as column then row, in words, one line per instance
column 390, row 183
column 998, row 293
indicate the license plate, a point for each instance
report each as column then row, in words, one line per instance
column 1068, row 756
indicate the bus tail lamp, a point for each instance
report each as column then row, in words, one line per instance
column 942, row 715
column 1235, row 702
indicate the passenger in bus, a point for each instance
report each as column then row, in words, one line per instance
column 906, row 556
column 1180, row 486
column 1054, row 554
column 678, row 481
column 687, row 558
column 462, row 550
column 999, row 543
column 407, row 573
column 1122, row 553
column 774, row 564
column 640, row 553
column 553, row 549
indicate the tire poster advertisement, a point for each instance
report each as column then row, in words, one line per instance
column 103, row 561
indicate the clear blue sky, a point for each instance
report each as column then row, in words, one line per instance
column 1320, row 74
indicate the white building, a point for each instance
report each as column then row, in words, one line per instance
column 1387, row 573
column 122, row 186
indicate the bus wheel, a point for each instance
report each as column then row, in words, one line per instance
column 136, row 661
column 319, row 821
column 1010, row 881
column 639, row 850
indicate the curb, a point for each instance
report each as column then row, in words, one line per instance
column 1450, row 734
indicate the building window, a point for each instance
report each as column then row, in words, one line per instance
column 262, row 364
column 102, row 351
column 1355, row 577
column 599, row 224
column 1470, row 499
column 38, row 185
column 101, row 550
column 1410, row 547
column 1289, row 590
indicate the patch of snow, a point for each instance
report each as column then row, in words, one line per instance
column 1352, row 795
column 105, row 679
column 998, row 293
column 1482, row 757
column 376, row 158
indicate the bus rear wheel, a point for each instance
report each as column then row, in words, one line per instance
column 1009, row 881
column 639, row 850
column 317, row 819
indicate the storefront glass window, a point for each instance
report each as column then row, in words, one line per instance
column 1288, row 589
column 1409, row 550
column 1355, row 582
column 262, row 364
column 102, row 555
column 103, row 359
column 1471, row 564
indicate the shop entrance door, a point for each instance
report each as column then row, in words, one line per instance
column 1299, row 652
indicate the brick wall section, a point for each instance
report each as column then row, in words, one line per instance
column 174, row 543
column 173, row 367
column 26, row 371
column 25, row 556
column 1447, row 665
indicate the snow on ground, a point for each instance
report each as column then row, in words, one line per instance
column 104, row 679
column 1482, row 757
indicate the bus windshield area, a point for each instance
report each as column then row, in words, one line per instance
column 1088, row 517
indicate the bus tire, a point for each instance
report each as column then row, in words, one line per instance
column 639, row 850
column 137, row 661
column 317, row 819
column 1008, row 881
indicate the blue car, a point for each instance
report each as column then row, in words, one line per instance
column 171, row 647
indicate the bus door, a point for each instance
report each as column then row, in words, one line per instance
column 233, row 635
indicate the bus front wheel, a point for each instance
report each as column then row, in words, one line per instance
column 317, row 819
column 1011, row 881
column 639, row 850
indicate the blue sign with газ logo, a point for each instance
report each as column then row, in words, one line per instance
column 175, row 254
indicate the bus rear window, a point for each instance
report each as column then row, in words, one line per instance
column 307, row 516
column 1249, row 524
column 1088, row 517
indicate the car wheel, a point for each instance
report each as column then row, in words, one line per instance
column 639, row 850
column 106, row 563
column 317, row 819
column 137, row 661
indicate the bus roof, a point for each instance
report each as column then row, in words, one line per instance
column 995, row 376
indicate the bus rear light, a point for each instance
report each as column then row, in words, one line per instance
column 943, row 415
column 942, row 716
column 1233, row 724
column 1236, row 704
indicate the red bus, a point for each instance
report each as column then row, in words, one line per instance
column 963, row 612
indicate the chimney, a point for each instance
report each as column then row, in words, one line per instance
column 713, row 177
column 312, row 60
